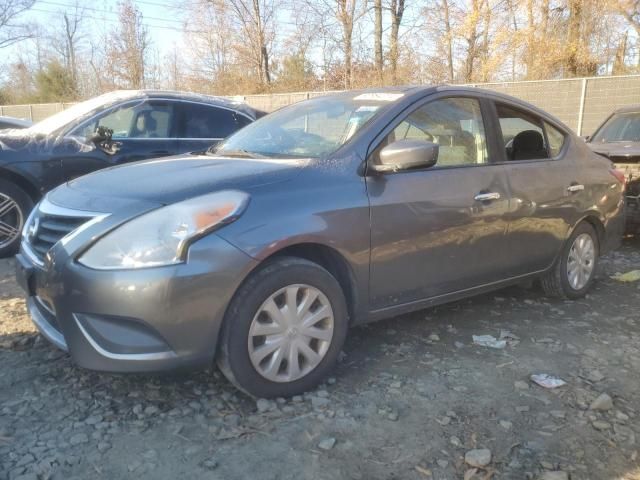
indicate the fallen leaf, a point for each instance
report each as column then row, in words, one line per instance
column 631, row 276
column 424, row 471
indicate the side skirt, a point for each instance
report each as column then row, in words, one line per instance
column 446, row 298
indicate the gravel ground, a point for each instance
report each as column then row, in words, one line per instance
column 413, row 398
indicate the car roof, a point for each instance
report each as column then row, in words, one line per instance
column 628, row 109
column 413, row 91
column 192, row 97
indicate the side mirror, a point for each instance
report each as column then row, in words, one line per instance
column 101, row 135
column 407, row 154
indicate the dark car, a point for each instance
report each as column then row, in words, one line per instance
column 11, row 122
column 325, row 214
column 618, row 139
column 112, row 129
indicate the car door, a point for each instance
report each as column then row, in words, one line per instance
column 142, row 129
column 438, row 230
column 544, row 184
column 203, row 125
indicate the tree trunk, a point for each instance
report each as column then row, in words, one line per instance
column 449, row 38
column 397, row 11
column 345, row 14
column 573, row 44
column 378, row 39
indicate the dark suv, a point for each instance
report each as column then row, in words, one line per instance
column 618, row 139
column 112, row 129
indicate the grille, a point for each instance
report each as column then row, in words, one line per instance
column 45, row 230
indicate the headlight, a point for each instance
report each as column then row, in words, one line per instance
column 162, row 236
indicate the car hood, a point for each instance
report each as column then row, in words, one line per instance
column 32, row 146
column 616, row 149
column 172, row 179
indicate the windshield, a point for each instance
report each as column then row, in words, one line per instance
column 621, row 127
column 311, row 129
column 57, row 121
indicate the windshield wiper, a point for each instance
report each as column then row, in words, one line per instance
column 235, row 153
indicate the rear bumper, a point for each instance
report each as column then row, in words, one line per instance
column 135, row 320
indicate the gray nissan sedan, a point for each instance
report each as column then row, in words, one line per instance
column 328, row 213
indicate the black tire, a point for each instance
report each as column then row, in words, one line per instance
column 24, row 204
column 233, row 352
column 556, row 282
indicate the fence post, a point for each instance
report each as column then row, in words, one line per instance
column 31, row 112
column 583, row 96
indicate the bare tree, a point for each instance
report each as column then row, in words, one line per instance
column 11, row 30
column 397, row 12
column 448, row 38
column 129, row 47
column 66, row 39
column 377, row 35
column 256, row 21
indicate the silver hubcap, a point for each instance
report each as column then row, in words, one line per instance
column 11, row 220
column 581, row 261
column 291, row 333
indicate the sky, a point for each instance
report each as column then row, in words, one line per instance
column 163, row 20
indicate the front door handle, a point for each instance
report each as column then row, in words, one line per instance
column 575, row 187
column 486, row 197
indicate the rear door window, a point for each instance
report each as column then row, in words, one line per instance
column 204, row 121
column 522, row 134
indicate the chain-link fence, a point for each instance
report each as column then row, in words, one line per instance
column 582, row 103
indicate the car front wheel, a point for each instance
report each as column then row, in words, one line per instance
column 15, row 206
column 575, row 269
column 284, row 329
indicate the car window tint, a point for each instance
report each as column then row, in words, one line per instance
column 202, row 121
column 556, row 139
column 455, row 124
column 522, row 134
column 135, row 120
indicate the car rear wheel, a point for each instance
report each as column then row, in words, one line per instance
column 575, row 270
column 284, row 329
column 15, row 206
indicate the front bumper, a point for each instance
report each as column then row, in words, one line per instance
column 134, row 320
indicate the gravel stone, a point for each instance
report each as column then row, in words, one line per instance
column 103, row 446
column 480, row 457
column 604, row 402
column 319, row 402
column 327, row 443
column 263, row 405
column 601, row 425
column 557, row 475
column 78, row 439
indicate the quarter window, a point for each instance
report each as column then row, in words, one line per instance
column 556, row 139
column 455, row 124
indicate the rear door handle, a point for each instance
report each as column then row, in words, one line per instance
column 485, row 197
column 575, row 187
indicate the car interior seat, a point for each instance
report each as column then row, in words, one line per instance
column 528, row 145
